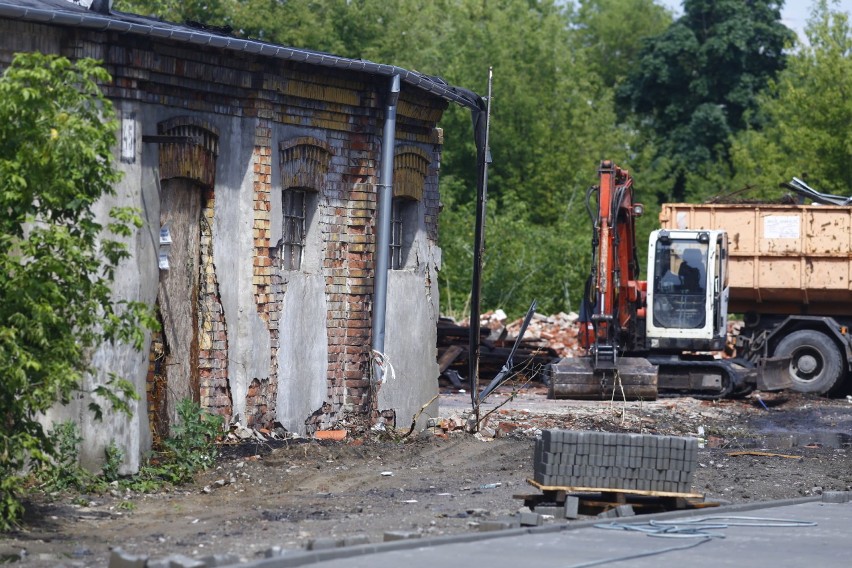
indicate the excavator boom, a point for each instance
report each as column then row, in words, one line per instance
column 612, row 313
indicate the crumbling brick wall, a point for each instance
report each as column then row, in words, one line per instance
column 347, row 108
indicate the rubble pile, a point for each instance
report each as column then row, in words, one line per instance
column 546, row 338
column 557, row 332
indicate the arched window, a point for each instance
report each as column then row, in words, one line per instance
column 193, row 155
column 409, row 178
column 304, row 169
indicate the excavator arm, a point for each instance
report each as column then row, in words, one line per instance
column 612, row 315
column 614, row 299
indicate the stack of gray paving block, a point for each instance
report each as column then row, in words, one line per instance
column 600, row 460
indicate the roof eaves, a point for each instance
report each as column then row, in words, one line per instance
column 165, row 30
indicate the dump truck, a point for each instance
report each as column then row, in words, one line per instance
column 790, row 279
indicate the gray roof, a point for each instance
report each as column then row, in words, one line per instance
column 65, row 13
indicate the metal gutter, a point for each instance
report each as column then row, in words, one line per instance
column 383, row 229
column 119, row 22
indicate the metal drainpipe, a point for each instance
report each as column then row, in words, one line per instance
column 383, row 224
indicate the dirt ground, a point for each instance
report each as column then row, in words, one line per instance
column 438, row 482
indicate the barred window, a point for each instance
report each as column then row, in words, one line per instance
column 404, row 226
column 396, row 260
column 293, row 240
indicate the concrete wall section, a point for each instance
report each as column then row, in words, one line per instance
column 302, row 352
column 248, row 338
column 136, row 280
column 411, row 349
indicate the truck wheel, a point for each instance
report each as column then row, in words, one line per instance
column 816, row 364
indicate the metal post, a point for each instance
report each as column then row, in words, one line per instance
column 483, row 158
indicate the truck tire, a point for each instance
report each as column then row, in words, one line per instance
column 816, row 365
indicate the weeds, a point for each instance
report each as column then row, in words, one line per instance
column 113, row 456
column 190, row 449
column 126, row 506
column 64, row 473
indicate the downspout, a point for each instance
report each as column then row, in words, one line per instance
column 383, row 231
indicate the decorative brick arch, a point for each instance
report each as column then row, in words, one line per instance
column 410, row 165
column 304, row 162
column 194, row 160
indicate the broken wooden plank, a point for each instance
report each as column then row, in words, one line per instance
column 764, row 454
column 449, row 356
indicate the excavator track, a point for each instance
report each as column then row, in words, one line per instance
column 705, row 379
column 639, row 378
column 633, row 378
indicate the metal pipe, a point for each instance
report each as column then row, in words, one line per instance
column 383, row 225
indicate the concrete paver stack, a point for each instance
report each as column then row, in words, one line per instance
column 600, row 460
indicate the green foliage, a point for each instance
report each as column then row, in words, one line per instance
column 613, row 32
column 697, row 83
column 57, row 261
column 11, row 508
column 113, row 457
column 126, row 506
column 213, row 12
column 191, row 449
column 552, row 121
column 64, row 472
column 807, row 116
column 191, row 446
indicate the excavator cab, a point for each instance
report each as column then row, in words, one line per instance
column 687, row 300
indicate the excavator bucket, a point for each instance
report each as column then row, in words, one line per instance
column 632, row 378
column 773, row 373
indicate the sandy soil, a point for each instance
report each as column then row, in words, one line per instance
column 260, row 495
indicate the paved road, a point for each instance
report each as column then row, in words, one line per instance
column 828, row 544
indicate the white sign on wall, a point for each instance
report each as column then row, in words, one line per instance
column 781, row 227
column 128, row 138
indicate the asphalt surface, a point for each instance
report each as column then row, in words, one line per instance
column 812, row 532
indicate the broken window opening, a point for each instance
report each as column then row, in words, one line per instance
column 293, row 239
column 403, row 230
column 396, row 235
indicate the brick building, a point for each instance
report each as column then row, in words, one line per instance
column 258, row 169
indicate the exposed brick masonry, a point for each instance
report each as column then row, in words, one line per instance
column 348, row 108
column 213, row 332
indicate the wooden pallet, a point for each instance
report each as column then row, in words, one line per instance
column 594, row 500
column 568, row 489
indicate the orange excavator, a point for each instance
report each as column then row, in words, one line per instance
column 664, row 334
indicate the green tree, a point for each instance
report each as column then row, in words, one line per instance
column 807, row 115
column 553, row 120
column 298, row 23
column 212, row 12
column 614, row 31
column 56, row 260
column 697, row 82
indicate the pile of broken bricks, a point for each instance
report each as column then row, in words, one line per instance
column 547, row 338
